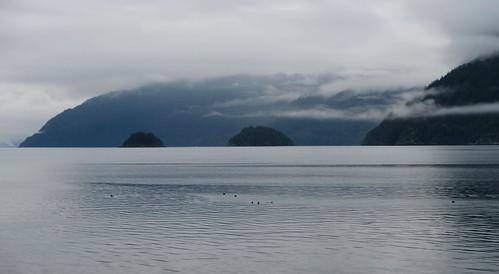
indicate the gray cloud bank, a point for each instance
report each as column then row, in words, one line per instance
column 301, row 96
column 56, row 53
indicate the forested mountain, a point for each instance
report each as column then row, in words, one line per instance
column 209, row 112
column 453, row 121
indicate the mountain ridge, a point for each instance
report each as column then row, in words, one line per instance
column 208, row 113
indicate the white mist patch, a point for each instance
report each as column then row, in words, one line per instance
column 430, row 109
column 467, row 110
column 322, row 113
column 312, row 103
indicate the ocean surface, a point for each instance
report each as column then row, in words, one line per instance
column 250, row 210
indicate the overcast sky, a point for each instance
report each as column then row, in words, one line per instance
column 56, row 53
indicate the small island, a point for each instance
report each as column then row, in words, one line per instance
column 142, row 139
column 260, row 136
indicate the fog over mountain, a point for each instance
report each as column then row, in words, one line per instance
column 460, row 108
column 209, row 112
column 56, row 54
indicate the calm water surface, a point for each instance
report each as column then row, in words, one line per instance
column 321, row 210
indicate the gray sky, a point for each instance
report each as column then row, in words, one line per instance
column 56, row 53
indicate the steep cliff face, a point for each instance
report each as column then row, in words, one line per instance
column 466, row 86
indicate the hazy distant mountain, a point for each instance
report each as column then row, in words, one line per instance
column 208, row 113
column 463, row 101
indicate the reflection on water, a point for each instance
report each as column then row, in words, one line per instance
column 315, row 210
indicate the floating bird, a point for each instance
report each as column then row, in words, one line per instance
column 224, row 193
column 235, row 195
column 111, row 196
column 258, row 202
column 453, row 201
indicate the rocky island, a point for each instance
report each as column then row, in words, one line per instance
column 142, row 139
column 260, row 136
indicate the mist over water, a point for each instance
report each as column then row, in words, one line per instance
column 321, row 210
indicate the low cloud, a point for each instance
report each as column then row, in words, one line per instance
column 301, row 97
column 323, row 113
column 429, row 109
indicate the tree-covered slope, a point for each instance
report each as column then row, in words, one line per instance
column 471, row 83
column 468, row 85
